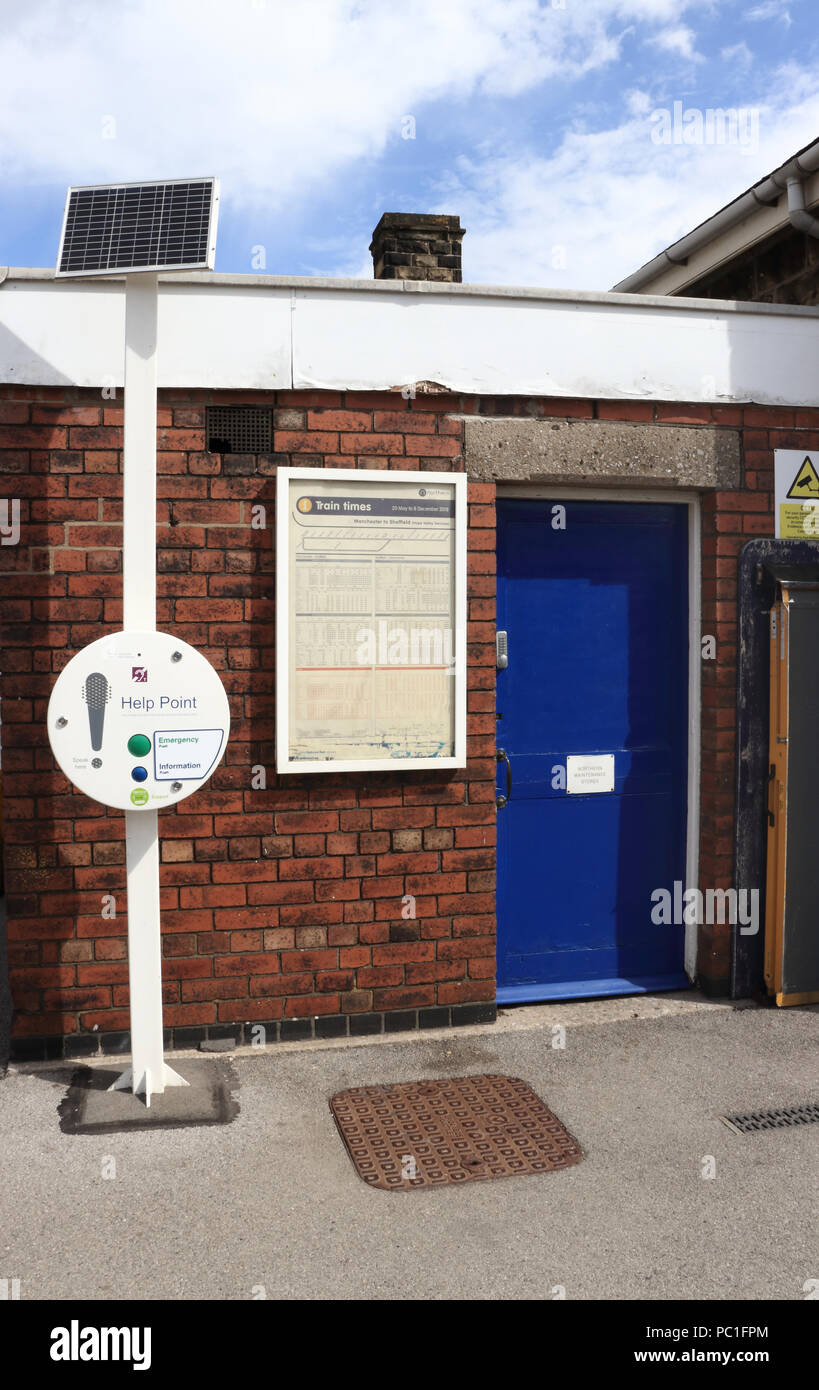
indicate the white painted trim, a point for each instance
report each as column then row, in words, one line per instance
column 246, row 335
column 691, row 500
column 378, row 477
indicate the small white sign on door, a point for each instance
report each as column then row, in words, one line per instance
column 590, row 772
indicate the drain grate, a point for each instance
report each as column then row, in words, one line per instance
column 757, row 1120
column 462, row 1129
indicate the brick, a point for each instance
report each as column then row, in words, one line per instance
column 250, row 1010
column 65, row 415
column 309, row 960
column 232, row 918
column 305, row 442
column 463, row 992
column 466, row 948
column 403, row 951
column 418, row 863
column 342, row 935
column 368, row 977
column 280, row 984
column 311, row 868
column 402, row 817
column 33, row 437
column 419, row 997
column 76, row 999
column 625, row 410
column 176, row 1015
column 357, row 1001
column 334, row 419
column 428, row 972
column 327, row 980
column 311, row 914
column 353, row 956
column 404, row 422
column 372, row 443
column 436, row 446
column 259, row 963
column 308, row 821
column 307, row 938
column 312, row 1006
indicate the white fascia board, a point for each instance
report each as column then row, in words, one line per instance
column 485, row 345
column 235, row 337
column 265, row 333
column 72, row 333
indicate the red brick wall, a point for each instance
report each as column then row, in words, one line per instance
column 729, row 520
column 284, row 902
column 277, row 903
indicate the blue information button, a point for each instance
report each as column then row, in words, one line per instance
column 139, row 774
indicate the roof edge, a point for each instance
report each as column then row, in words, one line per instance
column 610, row 298
column 764, row 192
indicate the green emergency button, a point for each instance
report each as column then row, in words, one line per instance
column 139, row 745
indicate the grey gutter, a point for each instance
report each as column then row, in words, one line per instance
column 800, row 217
column 763, row 193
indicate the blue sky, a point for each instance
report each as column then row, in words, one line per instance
column 539, row 124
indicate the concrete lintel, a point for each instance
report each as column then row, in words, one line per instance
column 602, row 451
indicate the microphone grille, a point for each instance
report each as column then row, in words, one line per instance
column 96, row 690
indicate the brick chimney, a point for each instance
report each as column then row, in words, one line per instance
column 417, row 246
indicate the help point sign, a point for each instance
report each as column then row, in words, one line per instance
column 138, row 720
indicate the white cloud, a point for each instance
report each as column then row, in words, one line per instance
column 738, row 53
column 280, row 99
column 680, row 40
column 638, row 103
column 771, row 9
column 610, row 200
column 273, row 96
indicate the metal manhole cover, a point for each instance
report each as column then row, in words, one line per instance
column 757, row 1120
column 462, row 1129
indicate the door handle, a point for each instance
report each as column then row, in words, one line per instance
column 502, row 757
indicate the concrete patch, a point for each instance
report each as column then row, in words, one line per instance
column 602, row 451
column 91, row 1108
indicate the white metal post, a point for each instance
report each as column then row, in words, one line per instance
column 148, row 1073
column 139, row 455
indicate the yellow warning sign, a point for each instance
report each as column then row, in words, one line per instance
column 799, row 522
column 805, row 485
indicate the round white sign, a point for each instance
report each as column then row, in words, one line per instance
column 138, row 720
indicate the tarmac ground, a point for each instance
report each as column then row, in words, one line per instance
column 268, row 1204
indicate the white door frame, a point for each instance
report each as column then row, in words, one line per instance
column 691, row 500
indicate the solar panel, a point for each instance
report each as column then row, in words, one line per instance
column 139, row 226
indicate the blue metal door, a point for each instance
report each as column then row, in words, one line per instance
column 594, row 599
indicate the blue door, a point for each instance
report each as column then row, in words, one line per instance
column 594, row 599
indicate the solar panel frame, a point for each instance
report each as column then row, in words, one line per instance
column 128, row 228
